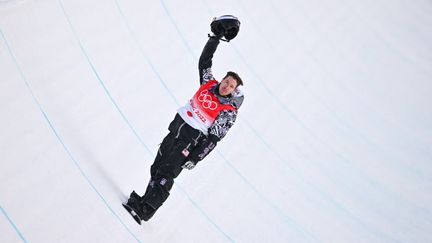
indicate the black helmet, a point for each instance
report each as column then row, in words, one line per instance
column 226, row 26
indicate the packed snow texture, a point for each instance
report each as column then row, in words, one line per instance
column 333, row 142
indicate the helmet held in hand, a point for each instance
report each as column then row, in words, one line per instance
column 226, row 26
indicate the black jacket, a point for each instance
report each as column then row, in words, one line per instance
column 226, row 118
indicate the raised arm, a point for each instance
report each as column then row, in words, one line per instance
column 205, row 61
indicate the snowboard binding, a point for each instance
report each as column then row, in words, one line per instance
column 133, row 207
column 138, row 209
column 225, row 27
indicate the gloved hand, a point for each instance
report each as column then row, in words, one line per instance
column 226, row 26
column 203, row 148
column 189, row 165
column 217, row 29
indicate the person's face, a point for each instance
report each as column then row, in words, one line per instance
column 227, row 86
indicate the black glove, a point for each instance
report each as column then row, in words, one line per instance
column 189, row 165
column 226, row 26
column 203, row 148
column 217, row 29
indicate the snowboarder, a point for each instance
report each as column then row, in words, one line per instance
column 197, row 127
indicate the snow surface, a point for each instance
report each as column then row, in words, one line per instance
column 333, row 142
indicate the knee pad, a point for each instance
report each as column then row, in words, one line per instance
column 158, row 192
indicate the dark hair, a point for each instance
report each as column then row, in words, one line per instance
column 234, row 76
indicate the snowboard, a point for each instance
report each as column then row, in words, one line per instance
column 132, row 213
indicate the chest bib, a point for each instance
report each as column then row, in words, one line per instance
column 201, row 111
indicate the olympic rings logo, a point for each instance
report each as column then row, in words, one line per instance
column 206, row 101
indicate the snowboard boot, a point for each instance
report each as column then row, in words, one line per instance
column 133, row 206
column 148, row 211
column 141, row 210
column 134, row 196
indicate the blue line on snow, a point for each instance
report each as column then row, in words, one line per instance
column 78, row 166
column 149, row 62
column 292, row 115
column 285, row 217
column 122, row 114
column 11, row 222
column 102, row 83
column 143, row 54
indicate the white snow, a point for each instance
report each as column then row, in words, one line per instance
column 333, row 142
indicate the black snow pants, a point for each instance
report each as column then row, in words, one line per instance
column 172, row 154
